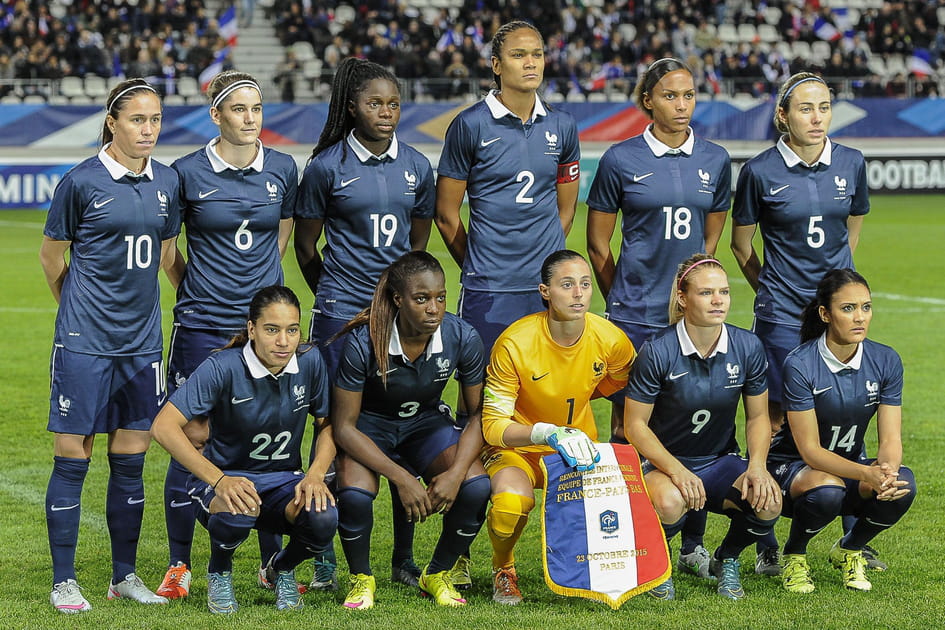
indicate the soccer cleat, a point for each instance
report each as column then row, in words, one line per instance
column 133, row 588
column 66, row 597
column 795, row 574
column 439, row 587
column 361, row 594
column 262, row 581
column 505, row 587
column 459, row 574
column 872, row 559
column 726, row 572
column 220, row 597
column 176, row 582
column 852, row 567
column 768, row 562
column 407, row 572
column 324, row 578
column 665, row 591
column 696, row 562
column 287, row 589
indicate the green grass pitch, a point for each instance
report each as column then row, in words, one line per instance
column 900, row 254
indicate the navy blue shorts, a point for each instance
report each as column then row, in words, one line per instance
column 778, row 340
column 491, row 313
column 320, row 330
column 99, row 394
column 415, row 442
column 638, row 334
column 718, row 475
column 189, row 348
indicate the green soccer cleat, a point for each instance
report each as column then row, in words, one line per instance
column 852, row 567
column 795, row 574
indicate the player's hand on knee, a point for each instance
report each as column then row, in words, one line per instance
column 577, row 450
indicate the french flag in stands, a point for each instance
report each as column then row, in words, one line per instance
column 228, row 26
column 215, row 68
column 919, row 63
column 825, row 30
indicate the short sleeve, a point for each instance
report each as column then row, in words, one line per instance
column 756, row 364
column 890, row 392
column 646, row 376
column 65, row 211
column 201, row 392
column 722, row 199
column 606, row 191
column 458, row 153
column 291, row 190
column 353, row 366
column 314, row 191
column 798, row 393
column 570, row 146
column 175, row 207
column 746, row 208
column 471, row 370
column 619, row 363
column 424, row 203
column 861, row 194
column 320, row 396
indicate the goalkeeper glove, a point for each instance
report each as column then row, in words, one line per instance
column 576, row 449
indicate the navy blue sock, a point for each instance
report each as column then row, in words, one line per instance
column 124, row 509
column 179, row 514
column 744, row 529
column 768, row 541
column 813, row 511
column 671, row 529
column 227, row 532
column 63, row 507
column 848, row 521
column 693, row 530
column 269, row 545
column 403, row 529
column 355, row 522
column 461, row 523
column 877, row 516
column 311, row 533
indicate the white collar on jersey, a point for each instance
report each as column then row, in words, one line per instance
column 258, row 370
column 833, row 363
column 435, row 344
column 117, row 170
column 792, row 159
column 687, row 347
column 499, row 110
column 659, row 149
column 219, row 165
column 364, row 155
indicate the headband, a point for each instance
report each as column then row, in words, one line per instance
column 232, row 87
column 693, row 266
column 787, row 93
column 140, row 86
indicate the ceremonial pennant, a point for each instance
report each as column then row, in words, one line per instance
column 601, row 537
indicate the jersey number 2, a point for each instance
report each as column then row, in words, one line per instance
column 264, row 440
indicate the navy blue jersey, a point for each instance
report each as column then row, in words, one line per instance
column 257, row 420
column 511, row 174
column 116, row 222
column 232, row 223
column 665, row 196
column 845, row 396
column 367, row 205
column 695, row 399
column 802, row 211
column 412, row 387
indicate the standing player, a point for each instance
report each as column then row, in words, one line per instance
column 117, row 214
column 808, row 195
column 388, row 420
column 674, row 191
column 680, row 414
column 834, row 384
column 373, row 196
column 257, row 393
column 544, row 370
column 238, row 201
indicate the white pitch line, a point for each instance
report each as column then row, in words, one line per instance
column 29, row 494
column 911, row 298
column 22, row 224
column 26, row 309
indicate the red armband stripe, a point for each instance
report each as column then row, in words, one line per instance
column 570, row 172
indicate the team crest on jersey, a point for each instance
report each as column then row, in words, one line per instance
column 872, row 392
column 609, row 521
column 411, row 180
column 705, row 181
column 64, row 405
column 841, row 184
column 733, row 371
column 162, row 201
column 443, row 365
column 273, row 190
column 299, row 391
column 179, row 379
column 598, row 368
column 552, row 140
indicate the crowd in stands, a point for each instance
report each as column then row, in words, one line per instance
column 868, row 49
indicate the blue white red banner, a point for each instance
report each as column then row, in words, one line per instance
column 602, row 537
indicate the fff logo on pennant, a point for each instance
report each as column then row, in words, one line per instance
column 609, row 523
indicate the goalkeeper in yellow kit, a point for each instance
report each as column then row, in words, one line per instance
column 544, row 371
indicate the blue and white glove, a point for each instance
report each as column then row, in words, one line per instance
column 576, row 449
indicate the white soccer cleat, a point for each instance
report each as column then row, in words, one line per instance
column 66, row 597
column 133, row 588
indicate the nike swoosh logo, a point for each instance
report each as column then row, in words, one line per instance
column 237, row 401
column 58, row 508
column 346, row 538
column 99, row 204
column 673, row 377
column 203, row 195
column 775, row 191
column 345, row 182
column 135, row 501
column 817, row 392
column 229, row 547
column 175, row 504
column 387, row 372
column 640, row 178
column 538, row 378
column 813, row 531
column 468, row 534
column 486, row 143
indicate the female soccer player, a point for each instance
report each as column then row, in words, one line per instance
column 256, row 394
column 238, row 201
column 518, row 161
column 809, row 196
column 680, row 415
column 834, row 384
column 387, row 417
column 117, row 214
column 373, row 196
column 544, row 370
column 674, row 190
